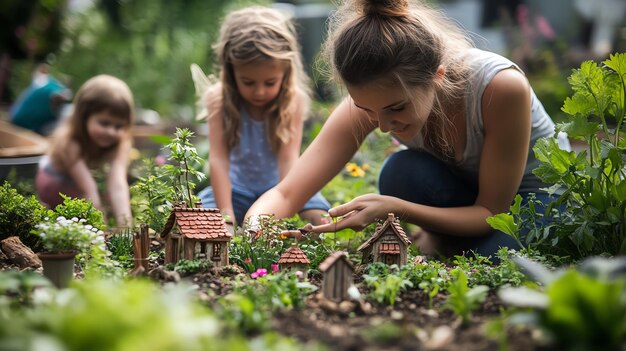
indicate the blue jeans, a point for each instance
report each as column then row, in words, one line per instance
column 419, row 177
column 243, row 200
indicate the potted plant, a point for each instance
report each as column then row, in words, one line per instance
column 62, row 240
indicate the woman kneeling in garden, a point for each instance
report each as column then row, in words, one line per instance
column 468, row 118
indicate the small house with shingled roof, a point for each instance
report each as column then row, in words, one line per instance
column 338, row 276
column 388, row 244
column 193, row 233
column 294, row 259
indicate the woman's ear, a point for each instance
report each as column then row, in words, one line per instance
column 441, row 73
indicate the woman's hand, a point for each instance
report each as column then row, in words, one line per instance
column 358, row 213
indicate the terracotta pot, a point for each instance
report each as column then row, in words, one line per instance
column 58, row 267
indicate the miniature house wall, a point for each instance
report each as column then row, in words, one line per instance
column 192, row 233
column 294, row 259
column 338, row 276
column 389, row 244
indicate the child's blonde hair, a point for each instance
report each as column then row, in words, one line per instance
column 404, row 42
column 102, row 93
column 257, row 34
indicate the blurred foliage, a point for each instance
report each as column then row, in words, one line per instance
column 147, row 43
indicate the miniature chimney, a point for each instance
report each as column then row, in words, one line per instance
column 198, row 204
column 391, row 217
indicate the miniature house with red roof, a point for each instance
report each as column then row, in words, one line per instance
column 294, row 259
column 338, row 276
column 193, row 233
column 389, row 244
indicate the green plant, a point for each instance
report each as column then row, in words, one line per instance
column 184, row 157
column 68, row 235
column 121, row 247
column 187, row 267
column 80, row 208
column 262, row 248
column 150, row 197
column 165, row 185
column 479, row 271
column 123, row 315
column 589, row 217
column 19, row 215
column 582, row 309
column 386, row 282
column 250, row 305
column 462, row 299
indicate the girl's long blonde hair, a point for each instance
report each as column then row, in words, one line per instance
column 256, row 34
column 404, row 42
column 102, row 93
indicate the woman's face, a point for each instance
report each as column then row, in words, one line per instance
column 396, row 112
column 259, row 83
column 105, row 130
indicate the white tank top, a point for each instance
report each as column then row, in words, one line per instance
column 484, row 66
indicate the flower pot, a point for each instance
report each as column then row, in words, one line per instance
column 58, row 267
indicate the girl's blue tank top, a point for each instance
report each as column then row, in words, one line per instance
column 253, row 165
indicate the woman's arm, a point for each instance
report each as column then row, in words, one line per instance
column 117, row 185
column 219, row 164
column 507, row 123
column 336, row 143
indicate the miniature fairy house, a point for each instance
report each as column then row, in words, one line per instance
column 388, row 244
column 338, row 276
column 294, row 259
column 192, row 233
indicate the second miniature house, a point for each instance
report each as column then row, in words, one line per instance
column 192, row 233
column 389, row 244
column 294, row 259
column 338, row 276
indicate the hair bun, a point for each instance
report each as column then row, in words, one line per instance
column 386, row 8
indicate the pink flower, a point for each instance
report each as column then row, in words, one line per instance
column 544, row 28
column 248, row 260
column 160, row 160
column 274, row 268
column 261, row 272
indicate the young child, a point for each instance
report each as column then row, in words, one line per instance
column 40, row 107
column 256, row 113
column 98, row 132
column 468, row 117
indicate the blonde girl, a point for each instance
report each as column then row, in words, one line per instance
column 97, row 134
column 256, row 112
column 467, row 117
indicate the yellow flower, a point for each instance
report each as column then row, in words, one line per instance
column 354, row 170
column 365, row 166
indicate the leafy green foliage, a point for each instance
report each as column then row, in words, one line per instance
column 184, row 157
column 19, row 215
column 163, row 186
column 121, row 315
column 80, row 208
column 386, row 282
column 150, row 196
column 461, row 299
column 589, row 217
column 582, row 309
column 260, row 249
column 187, row 267
column 121, row 247
column 249, row 307
column 140, row 38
